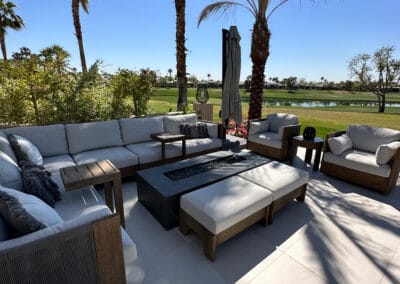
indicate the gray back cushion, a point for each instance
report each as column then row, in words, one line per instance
column 276, row 120
column 93, row 135
column 171, row 123
column 10, row 175
column 6, row 147
column 49, row 139
column 368, row 138
column 136, row 130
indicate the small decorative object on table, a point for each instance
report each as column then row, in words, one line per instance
column 309, row 133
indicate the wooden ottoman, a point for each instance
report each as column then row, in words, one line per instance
column 285, row 183
column 220, row 211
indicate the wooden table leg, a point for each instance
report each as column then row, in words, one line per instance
column 293, row 153
column 162, row 150
column 119, row 203
column 183, row 148
column 317, row 158
column 109, row 195
column 307, row 158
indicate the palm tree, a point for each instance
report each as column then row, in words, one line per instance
column 181, row 53
column 259, row 43
column 8, row 19
column 78, row 30
column 170, row 74
column 208, row 76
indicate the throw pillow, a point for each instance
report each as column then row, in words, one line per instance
column 340, row 144
column 191, row 131
column 386, row 152
column 37, row 181
column 258, row 127
column 25, row 150
column 25, row 213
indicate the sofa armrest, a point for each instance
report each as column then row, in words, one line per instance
column 88, row 248
column 330, row 135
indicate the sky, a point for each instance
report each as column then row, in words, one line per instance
column 310, row 39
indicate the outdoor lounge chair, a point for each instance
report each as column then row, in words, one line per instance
column 272, row 137
column 364, row 155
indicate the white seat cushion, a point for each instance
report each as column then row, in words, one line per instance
column 277, row 177
column 119, row 156
column 55, row 163
column 277, row 120
column 360, row 161
column 171, row 123
column 148, row 152
column 223, row 204
column 136, row 130
column 271, row 139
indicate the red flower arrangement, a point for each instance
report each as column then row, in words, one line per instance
column 240, row 131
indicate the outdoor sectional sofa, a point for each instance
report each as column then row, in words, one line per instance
column 89, row 230
column 364, row 155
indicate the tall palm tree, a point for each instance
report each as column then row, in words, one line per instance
column 259, row 43
column 181, row 53
column 78, row 29
column 8, row 19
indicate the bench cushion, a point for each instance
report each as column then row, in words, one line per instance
column 55, row 163
column 50, row 139
column 199, row 144
column 136, row 130
column 171, row 123
column 93, row 135
column 6, row 147
column 277, row 177
column 148, row 152
column 223, row 204
column 119, row 156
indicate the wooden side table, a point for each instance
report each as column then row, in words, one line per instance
column 103, row 172
column 310, row 145
column 165, row 137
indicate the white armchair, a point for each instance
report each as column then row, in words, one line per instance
column 272, row 137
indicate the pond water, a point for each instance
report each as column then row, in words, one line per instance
column 311, row 104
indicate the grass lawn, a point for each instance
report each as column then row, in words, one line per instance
column 324, row 119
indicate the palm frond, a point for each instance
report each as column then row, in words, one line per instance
column 276, row 7
column 253, row 6
column 219, row 7
column 85, row 5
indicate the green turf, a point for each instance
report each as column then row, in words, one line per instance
column 325, row 120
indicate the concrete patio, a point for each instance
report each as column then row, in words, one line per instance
column 342, row 233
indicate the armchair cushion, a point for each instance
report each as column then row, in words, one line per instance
column 276, row 120
column 369, row 138
column 386, row 152
column 340, row 144
column 258, row 126
column 271, row 139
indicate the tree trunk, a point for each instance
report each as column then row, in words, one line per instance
column 181, row 54
column 259, row 55
column 78, row 33
column 35, row 106
column 3, row 46
column 381, row 102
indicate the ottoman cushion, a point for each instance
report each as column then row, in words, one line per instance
column 279, row 178
column 225, row 203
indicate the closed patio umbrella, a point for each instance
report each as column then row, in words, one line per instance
column 231, row 101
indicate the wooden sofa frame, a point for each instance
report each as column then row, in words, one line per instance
column 282, row 154
column 374, row 182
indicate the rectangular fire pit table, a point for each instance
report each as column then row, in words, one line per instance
column 160, row 188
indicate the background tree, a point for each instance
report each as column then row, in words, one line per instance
column 78, row 30
column 359, row 68
column 376, row 73
column 181, row 54
column 259, row 43
column 170, row 74
column 208, row 77
column 8, row 19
